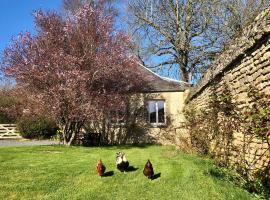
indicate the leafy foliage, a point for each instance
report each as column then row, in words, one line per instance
column 212, row 128
column 229, row 174
column 36, row 127
column 125, row 125
column 258, row 115
column 5, row 119
column 74, row 68
column 10, row 106
column 212, row 131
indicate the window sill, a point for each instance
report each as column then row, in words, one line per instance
column 159, row 125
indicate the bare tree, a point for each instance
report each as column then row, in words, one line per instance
column 180, row 33
column 237, row 14
column 186, row 35
column 73, row 5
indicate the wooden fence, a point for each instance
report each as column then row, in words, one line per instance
column 9, row 131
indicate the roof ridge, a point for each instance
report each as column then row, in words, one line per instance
column 162, row 77
column 171, row 79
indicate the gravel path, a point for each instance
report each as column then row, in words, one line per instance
column 11, row 143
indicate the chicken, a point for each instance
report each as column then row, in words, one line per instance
column 148, row 170
column 121, row 162
column 100, row 168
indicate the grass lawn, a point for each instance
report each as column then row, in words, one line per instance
column 57, row 172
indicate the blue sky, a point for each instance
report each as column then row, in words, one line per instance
column 16, row 16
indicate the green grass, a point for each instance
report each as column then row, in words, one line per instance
column 57, row 172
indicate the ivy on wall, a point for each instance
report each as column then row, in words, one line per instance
column 213, row 130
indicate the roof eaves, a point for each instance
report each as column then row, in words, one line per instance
column 162, row 77
column 173, row 80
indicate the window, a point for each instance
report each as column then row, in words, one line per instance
column 156, row 110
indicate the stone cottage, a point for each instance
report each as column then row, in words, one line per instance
column 154, row 116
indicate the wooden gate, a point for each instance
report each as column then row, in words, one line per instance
column 9, row 131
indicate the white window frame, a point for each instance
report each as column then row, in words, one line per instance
column 156, row 106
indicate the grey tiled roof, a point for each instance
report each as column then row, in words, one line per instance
column 157, row 83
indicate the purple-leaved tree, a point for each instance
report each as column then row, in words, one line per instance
column 73, row 68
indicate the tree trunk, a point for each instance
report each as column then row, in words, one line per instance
column 65, row 139
column 70, row 131
column 75, row 129
column 184, row 75
column 73, row 135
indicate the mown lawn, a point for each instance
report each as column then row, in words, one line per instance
column 57, row 172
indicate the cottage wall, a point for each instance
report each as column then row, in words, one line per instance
column 136, row 128
column 174, row 128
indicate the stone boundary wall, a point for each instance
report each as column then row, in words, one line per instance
column 245, row 63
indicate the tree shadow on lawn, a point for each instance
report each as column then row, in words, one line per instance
column 128, row 146
column 108, row 174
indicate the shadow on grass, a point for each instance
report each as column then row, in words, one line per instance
column 107, row 174
column 132, row 169
column 115, row 147
column 216, row 173
column 128, row 146
column 156, row 176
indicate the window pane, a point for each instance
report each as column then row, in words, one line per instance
column 161, row 113
column 152, row 111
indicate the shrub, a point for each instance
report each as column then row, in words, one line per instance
column 10, row 107
column 5, row 119
column 37, row 127
column 212, row 129
column 258, row 186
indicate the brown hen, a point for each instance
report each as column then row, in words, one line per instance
column 148, row 170
column 100, row 168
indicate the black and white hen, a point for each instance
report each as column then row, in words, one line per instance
column 121, row 162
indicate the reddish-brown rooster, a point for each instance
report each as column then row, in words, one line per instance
column 148, row 170
column 100, row 168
